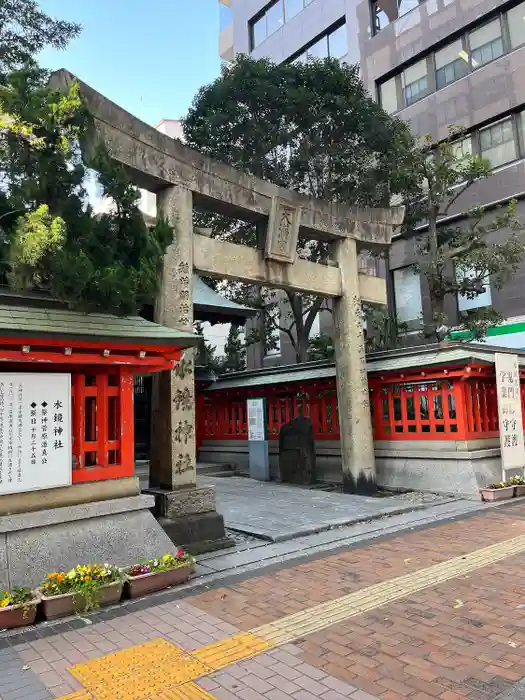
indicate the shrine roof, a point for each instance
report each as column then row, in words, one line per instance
column 418, row 357
column 39, row 322
column 211, row 306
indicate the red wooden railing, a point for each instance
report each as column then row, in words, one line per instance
column 102, row 425
column 447, row 404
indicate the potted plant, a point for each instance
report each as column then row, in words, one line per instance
column 18, row 608
column 519, row 485
column 81, row 589
column 156, row 574
column 499, row 491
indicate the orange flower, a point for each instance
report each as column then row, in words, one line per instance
column 86, row 578
column 60, row 578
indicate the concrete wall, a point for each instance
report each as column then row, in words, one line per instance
column 448, row 467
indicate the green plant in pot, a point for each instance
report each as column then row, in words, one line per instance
column 81, row 589
column 519, row 484
column 17, row 607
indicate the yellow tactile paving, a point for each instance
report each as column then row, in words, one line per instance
column 158, row 670
column 231, row 650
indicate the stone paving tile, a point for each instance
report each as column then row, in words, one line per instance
column 459, row 640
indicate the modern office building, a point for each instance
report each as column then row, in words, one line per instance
column 435, row 63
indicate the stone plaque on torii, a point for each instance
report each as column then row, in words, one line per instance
column 181, row 177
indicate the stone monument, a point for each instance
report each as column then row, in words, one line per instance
column 297, row 452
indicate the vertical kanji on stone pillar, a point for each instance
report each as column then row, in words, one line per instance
column 357, row 443
column 173, row 456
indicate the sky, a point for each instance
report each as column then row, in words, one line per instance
column 148, row 56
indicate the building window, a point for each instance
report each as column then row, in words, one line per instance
column 258, row 31
column 385, row 11
column 497, row 143
column 338, row 42
column 319, row 49
column 333, row 44
column 462, row 148
column 486, row 43
column 450, row 65
column 516, row 21
column 481, row 300
column 388, row 96
column 274, row 17
column 292, row 8
column 415, row 82
column 407, row 295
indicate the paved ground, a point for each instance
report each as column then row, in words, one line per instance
column 433, row 613
column 277, row 512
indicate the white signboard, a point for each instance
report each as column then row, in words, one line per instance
column 509, row 411
column 256, row 420
column 35, row 432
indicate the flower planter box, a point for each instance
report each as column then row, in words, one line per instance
column 18, row 615
column 497, row 494
column 138, row 586
column 68, row 603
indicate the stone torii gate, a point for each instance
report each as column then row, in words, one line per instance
column 182, row 177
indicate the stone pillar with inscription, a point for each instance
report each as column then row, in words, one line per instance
column 357, row 443
column 186, row 512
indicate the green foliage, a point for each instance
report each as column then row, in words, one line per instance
column 25, row 30
column 457, row 259
column 235, row 351
column 205, row 352
column 321, row 347
column 52, row 239
column 309, row 127
column 383, row 329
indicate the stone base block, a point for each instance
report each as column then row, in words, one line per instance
column 203, row 532
column 120, row 531
column 190, row 500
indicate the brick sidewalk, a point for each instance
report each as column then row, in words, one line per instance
column 461, row 638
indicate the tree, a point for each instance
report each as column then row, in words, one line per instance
column 321, row 347
column 383, row 330
column 206, row 351
column 309, row 127
column 25, row 30
column 235, row 351
column 459, row 259
column 52, row 241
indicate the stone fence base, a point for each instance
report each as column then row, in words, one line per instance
column 453, row 467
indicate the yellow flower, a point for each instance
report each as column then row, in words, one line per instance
column 166, row 557
column 4, row 602
column 71, row 574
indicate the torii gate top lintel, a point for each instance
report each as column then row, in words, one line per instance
column 182, row 177
column 157, row 161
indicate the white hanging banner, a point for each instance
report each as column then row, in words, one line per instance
column 509, row 412
column 35, row 432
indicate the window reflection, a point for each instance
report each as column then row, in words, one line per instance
column 387, row 11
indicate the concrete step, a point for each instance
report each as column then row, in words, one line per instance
column 216, row 469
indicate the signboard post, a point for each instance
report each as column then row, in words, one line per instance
column 509, row 413
column 35, row 432
column 259, row 460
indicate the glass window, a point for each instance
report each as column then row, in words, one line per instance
column 497, row 143
column 415, row 82
column 292, row 8
column 478, row 302
column 274, row 17
column 407, row 293
column 319, row 49
column 259, row 33
column 521, row 128
column 338, row 42
column 486, row 43
column 450, row 64
column 388, row 96
column 386, row 11
column 516, row 19
column 462, row 148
